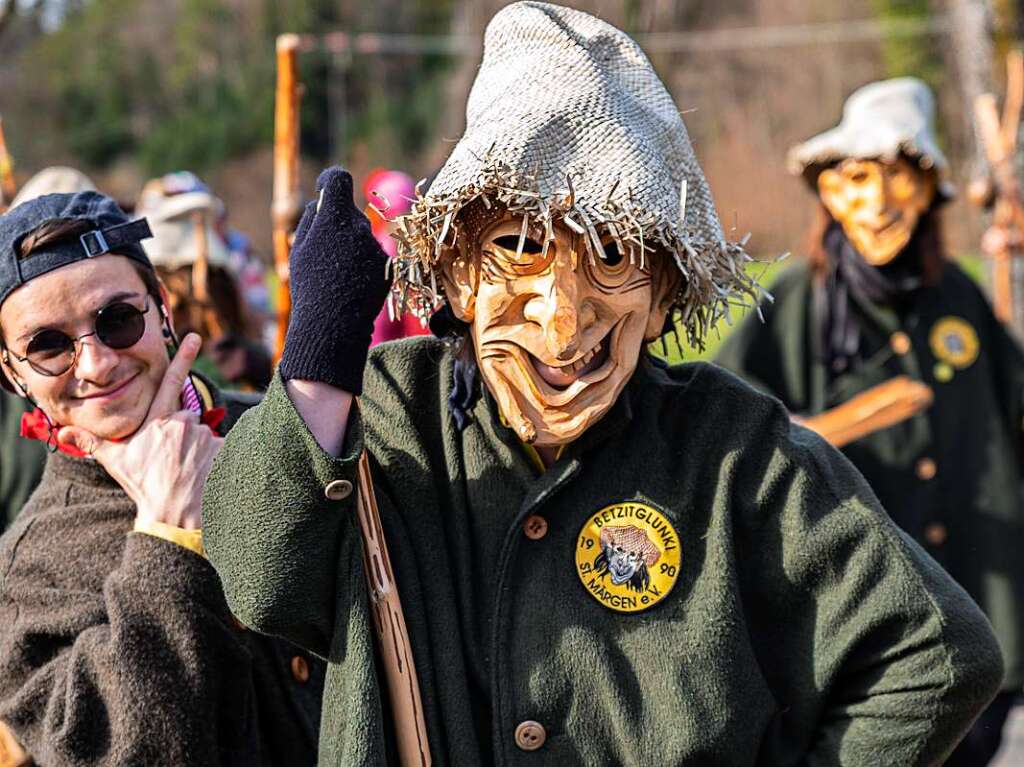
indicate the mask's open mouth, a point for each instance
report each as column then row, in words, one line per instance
column 562, row 377
column 557, row 386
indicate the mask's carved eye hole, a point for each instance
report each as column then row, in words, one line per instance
column 511, row 242
column 612, row 255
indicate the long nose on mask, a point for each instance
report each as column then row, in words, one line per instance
column 555, row 307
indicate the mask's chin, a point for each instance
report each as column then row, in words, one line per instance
column 879, row 247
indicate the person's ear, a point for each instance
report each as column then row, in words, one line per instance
column 166, row 320
column 460, row 279
column 666, row 282
column 21, row 388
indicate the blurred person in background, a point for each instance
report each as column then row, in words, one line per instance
column 21, row 460
column 877, row 299
column 390, row 194
column 194, row 262
column 116, row 644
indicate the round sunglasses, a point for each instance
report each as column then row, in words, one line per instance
column 53, row 352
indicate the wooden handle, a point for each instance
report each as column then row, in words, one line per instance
column 286, row 206
column 392, row 633
column 877, row 408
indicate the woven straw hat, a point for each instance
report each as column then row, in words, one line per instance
column 880, row 122
column 567, row 120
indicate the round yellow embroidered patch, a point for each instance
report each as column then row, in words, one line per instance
column 627, row 556
column 953, row 340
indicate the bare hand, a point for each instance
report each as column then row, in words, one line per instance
column 163, row 466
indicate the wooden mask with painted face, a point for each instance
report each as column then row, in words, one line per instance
column 557, row 332
column 877, row 203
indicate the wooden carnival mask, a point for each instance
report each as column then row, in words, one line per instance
column 878, row 204
column 557, row 333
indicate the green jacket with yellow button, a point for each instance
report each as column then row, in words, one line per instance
column 789, row 622
column 951, row 476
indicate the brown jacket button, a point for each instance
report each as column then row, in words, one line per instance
column 530, row 735
column 338, row 490
column 925, row 468
column 936, row 534
column 535, row 527
column 899, row 342
column 300, row 669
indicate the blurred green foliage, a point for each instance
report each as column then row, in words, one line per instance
column 191, row 84
column 917, row 55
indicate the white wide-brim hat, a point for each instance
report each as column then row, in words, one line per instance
column 57, row 179
column 173, row 220
column 881, row 121
column 567, row 121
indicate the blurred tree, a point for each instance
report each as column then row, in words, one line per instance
column 190, row 83
column 915, row 55
column 184, row 83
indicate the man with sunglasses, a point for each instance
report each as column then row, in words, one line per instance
column 116, row 644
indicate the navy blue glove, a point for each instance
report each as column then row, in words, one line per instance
column 338, row 287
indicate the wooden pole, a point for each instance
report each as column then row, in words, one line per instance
column 287, row 202
column 1005, row 239
column 389, row 620
column 201, row 278
column 392, row 633
column 7, row 186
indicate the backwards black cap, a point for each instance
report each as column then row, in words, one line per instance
column 112, row 232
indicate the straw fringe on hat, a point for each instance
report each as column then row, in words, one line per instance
column 567, row 121
column 881, row 121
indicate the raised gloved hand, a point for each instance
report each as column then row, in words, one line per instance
column 338, row 287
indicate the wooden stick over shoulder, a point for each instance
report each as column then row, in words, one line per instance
column 874, row 409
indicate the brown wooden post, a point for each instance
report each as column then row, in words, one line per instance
column 201, row 278
column 287, row 203
column 999, row 139
column 389, row 620
column 7, row 186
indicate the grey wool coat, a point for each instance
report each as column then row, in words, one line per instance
column 118, row 648
column 800, row 626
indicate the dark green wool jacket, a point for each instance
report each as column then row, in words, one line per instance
column 117, row 648
column 802, row 628
column 21, row 460
column 951, row 476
